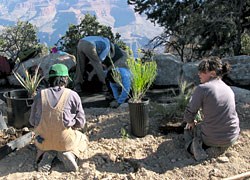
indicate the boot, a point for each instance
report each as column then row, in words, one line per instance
column 46, row 162
column 197, row 151
column 188, row 137
column 69, row 160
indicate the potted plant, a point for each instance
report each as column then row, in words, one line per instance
column 31, row 81
column 143, row 74
column 19, row 100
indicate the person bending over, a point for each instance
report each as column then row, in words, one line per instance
column 93, row 49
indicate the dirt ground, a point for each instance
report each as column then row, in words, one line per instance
column 156, row 156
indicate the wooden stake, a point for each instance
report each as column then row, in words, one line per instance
column 15, row 144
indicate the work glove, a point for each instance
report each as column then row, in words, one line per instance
column 191, row 125
column 114, row 104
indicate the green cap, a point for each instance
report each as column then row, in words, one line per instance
column 58, row 70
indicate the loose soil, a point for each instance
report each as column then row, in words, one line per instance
column 156, row 156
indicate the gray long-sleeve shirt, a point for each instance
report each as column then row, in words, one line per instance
column 220, row 125
column 73, row 114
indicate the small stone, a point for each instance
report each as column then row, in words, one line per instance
column 173, row 160
column 11, row 131
column 205, row 163
column 214, row 172
column 213, row 160
column 38, row 176
column 232, row 154
column 112, row 157
column 132, row 176
column 25, row 129
column 223, row 159
column 20, row 165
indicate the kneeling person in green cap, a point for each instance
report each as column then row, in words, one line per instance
column 56, row 113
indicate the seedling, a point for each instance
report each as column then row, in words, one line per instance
column 124, row 136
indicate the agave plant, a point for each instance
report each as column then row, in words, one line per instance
column 30, row 82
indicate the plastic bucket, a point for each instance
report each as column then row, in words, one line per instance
column 138, row 113
column 18, row 107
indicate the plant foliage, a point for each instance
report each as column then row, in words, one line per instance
column 176, row 108
column 184, row 95
column 143, row 75
column 30, row 83
column 198, row 28
column 125, row 136
column 17, row 38
column 245, row 44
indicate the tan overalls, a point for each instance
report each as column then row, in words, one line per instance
column 56, row 136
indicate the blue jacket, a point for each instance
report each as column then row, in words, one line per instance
column 122, row 95
column 102, row 45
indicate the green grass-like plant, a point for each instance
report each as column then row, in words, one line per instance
column 143, row 75
column 124, row 136
column 30, row 83
column 181, row 100
column 184, row 95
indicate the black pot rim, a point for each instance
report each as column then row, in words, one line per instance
column 6, row 96
column 142, row 101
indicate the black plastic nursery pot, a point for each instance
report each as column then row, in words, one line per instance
column 18, row 107
column 138, row 113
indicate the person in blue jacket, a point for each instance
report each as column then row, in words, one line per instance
column 95, row 49
column 120, row 91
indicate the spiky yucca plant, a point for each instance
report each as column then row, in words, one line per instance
column 30, row 83
column 182, row 99
column 184, row 95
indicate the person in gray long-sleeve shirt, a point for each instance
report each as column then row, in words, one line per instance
column 55, row 114
column 220, row 124
column 73, row 115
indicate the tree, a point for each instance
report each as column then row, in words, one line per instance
column 17, row 38
column 197, row 28
column 89, row 26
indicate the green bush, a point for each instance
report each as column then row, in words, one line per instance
column 245, row 44
column 18, row 38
